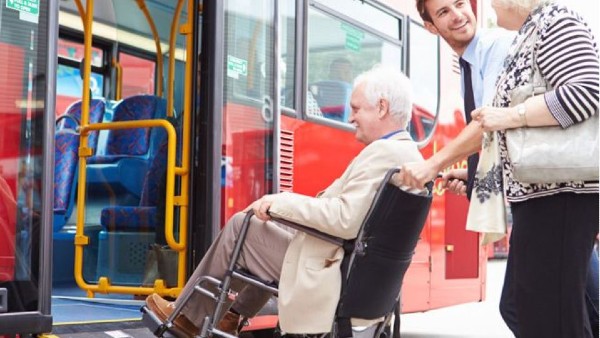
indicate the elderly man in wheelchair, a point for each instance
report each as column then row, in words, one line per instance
column 317, row 287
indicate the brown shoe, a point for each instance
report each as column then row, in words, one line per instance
column 163, row 309
column 229, row 323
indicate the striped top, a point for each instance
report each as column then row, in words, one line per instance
column 567, row 57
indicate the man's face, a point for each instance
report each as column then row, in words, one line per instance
column 453, row 20
column 341, row 71
column 365, row 117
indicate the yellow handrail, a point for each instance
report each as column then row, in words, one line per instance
column 252, row 56
column 104, row 285
column 172, row 39
column 185, row 151
column 84, row 151
column 159, row 58
column 119, row 90
column 81, row 12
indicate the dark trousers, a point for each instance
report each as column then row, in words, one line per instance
column 547, row 268
column 507, row 301
column 591, row 293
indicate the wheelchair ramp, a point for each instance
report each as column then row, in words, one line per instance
column 101, row 331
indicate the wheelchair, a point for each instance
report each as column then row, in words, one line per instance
column 373, row 267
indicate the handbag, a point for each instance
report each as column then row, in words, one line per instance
column 551, row 154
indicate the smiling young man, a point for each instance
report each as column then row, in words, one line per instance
column 483, row 51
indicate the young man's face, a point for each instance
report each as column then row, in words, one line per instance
column 453, row 20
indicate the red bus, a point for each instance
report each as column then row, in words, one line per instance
column 180, row 114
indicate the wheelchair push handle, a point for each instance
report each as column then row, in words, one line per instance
column 390, row 175
column 441, row 175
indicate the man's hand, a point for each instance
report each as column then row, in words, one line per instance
column 455, row 181
column 416, row 174
column 261, row 207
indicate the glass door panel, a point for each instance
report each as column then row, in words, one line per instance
column 23, row 138
column 247, row 163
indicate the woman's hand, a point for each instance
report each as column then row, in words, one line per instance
column 493, row 118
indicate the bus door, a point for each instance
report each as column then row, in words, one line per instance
column 247, row 140
column 238, row 105
column 27, row 46
column 129, row 224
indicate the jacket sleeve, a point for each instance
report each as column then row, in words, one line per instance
column 340, row 213
column 568, row 58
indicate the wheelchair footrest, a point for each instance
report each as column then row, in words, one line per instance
column 155, row 324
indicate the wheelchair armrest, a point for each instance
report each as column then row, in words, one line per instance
column 313, row 232
column 339, row 241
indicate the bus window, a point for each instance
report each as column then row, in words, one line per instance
column 288, row 52
column 72, row 50
column 249, row 46
column 424, row 73
column 69, row 83
column 368, row 15
column 138, row 75
column 348, row 49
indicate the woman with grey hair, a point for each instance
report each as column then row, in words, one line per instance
column 555, row 224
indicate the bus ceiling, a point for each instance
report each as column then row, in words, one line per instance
column 124, row 20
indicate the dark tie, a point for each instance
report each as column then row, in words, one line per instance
column 469, row 99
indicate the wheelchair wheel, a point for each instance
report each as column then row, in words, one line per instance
column 387, row 332
column 266, row 333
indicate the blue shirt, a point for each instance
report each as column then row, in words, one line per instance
column 486, row 54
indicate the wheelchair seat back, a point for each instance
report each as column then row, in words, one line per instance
column 383, row 252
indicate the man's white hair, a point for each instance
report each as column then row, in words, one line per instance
column 385, row 82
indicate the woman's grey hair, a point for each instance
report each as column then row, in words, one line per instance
column 524, row 6
column 385, row 82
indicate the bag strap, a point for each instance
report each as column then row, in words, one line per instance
column 540, row 84
column 522, row 43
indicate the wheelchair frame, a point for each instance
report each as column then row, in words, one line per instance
column 354, row 248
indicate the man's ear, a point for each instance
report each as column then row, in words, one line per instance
column 384, row 107
column 431, row 28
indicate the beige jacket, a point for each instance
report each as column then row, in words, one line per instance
column 310, row 283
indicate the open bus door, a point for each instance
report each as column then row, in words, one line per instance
column 127, row 203
column 130, row 150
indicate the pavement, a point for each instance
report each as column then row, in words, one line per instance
column 471, row 320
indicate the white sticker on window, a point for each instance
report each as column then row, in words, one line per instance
column 236, row 67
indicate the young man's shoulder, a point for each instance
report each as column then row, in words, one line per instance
column 488, row 38
column 494, row 44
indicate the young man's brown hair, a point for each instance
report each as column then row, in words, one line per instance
column 423, row 11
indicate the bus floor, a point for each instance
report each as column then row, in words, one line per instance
column 105, row 316
column 73, row 312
